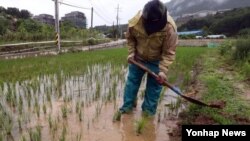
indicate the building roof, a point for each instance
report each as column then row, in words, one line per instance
column 195, row 32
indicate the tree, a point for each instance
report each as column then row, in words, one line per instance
column 13, row 11
column 195, row 24
column 3, row 25
column 25, row 14
column 29, row 26
column 2, row 9
column 244, row 32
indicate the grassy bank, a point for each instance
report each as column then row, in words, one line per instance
column 220, row 81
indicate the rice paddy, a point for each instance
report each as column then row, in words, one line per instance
column 76, row 96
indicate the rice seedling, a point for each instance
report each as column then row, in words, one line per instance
column 20, row 100
column 98, row 91
column 82, row 104
column 98, row 110
column 1, row 136
column 78, row 137
column 54, row 130
column 64, row 111
column 142, row 95
column 64, row 133
column 140, row 125
column 177, row 105
column 50, row 121
column 9, row 97
column 163, row 91
column 109, row 95
column 48, row 96
column 114, row 91
column 65, row 99
column 29, row 99
column 19, row 120
column 39, row 131
column 165, row 112
column 8, row 125
column 117, row 116
column 174, row 107
column 20, row 105
column 23, row 138
column 44, row 109
column 36, row 134
column 77, row 106
column 88, row 125
column 171, row 107
column 115, row 105
column 159, row 116
column 80, row 115
column 37, row 109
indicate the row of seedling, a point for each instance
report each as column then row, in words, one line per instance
column 33, row 99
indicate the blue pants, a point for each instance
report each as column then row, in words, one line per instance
column 153, row 88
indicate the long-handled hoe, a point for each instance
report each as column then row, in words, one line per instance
column 165, row 83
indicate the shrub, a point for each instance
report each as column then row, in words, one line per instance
column 226, row 48
column 242, row 50
column 246, row 69
column 187, row 36
column 91, row 41
column 244, row 32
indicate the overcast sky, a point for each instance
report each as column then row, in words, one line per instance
column 105, row 10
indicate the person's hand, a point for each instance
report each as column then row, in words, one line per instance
column 161, row 77
column 130, row 56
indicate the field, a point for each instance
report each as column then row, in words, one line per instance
column 75, row 96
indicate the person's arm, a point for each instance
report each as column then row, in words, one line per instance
column 131, row 41
column 169, row 48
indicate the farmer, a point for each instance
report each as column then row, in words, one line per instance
column 152, row 39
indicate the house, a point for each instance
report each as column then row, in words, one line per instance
column 220, row 36
column 45, row 18
column 78, row 19
column 196, row 32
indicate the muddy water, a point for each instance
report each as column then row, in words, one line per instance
column 81, row 108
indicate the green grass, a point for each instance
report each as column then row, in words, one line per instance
column 218, row 86
column 238, row 54
column 186, row 58
column 76, row 63
column 73, row 63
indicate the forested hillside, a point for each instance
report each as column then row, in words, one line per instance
column 230, row 23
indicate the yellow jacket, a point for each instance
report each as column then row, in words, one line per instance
column 159, row 46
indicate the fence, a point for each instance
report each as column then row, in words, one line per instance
column 23, row 50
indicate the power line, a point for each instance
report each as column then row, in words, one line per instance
column 96, row 7
column 102, row 17
column 103, row 8
column 74, row 6
column 71, row 5
column 95, row 11
column 99, row 15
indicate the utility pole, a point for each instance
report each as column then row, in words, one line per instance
column 117, row 22
column 92, row 17
column 57, row 28
column 113, row 32
column 121, row 34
